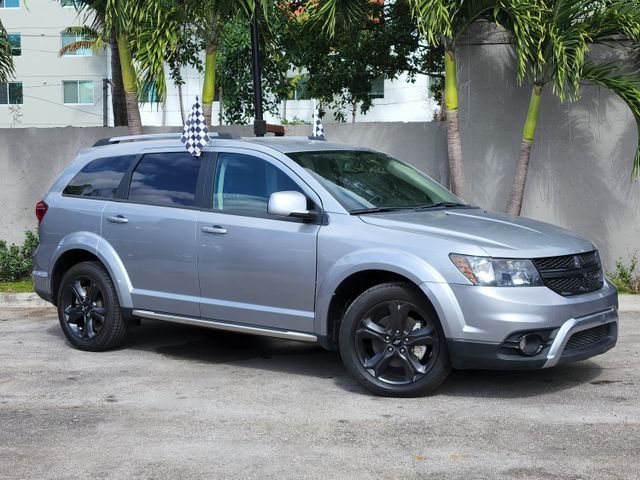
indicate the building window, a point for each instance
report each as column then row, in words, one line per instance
column 9, row 3
column 377, row 88
column 71, row 38
column 78, row 91
column 148, row 93
column 15, row 41
column 11, row 93
column 300, row 90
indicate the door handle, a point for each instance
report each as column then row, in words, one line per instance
column 217, row 229
column 118, row 219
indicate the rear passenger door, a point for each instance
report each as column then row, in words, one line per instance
column 151, row 225
column 255, row 268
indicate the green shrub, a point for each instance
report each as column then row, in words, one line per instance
column 16, row 260
column 626, row 278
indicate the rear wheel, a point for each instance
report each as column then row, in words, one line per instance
column 392, row 343
column 88, row 308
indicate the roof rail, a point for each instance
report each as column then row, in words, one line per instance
column 156, row 136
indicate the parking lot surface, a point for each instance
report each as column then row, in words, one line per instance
column 181, row 402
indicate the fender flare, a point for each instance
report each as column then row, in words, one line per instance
column 410, row 266
column 96, row 245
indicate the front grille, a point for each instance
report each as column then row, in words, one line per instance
column 587, row 337
column 571, row 274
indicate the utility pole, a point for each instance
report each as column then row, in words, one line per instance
column 259, row 124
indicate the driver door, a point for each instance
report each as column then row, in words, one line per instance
column 255, row 268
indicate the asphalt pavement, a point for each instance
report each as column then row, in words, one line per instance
column 181, row 402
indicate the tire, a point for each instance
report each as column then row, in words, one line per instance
column 89, row 310
column 401, row 355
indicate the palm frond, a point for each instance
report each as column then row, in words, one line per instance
column 6, row 57
column 334, row 15
column 625, row 86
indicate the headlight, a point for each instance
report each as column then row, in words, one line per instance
column 497, row 272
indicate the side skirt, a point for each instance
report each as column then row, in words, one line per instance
column 230, row 327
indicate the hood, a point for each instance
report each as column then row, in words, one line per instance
column 498, row 234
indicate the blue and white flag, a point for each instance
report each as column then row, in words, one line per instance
column 195, row 135
column 318, row 129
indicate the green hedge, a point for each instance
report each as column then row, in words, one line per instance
column 16, row 261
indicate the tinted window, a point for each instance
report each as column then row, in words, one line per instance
column 99, row 178
column 165, row 179
column 243, row 184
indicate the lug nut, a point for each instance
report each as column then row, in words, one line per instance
column 390, row 349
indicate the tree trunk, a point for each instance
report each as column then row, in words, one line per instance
column 118, row 101
column 207, row 109
column 133, row 114
column 209, row 86
column 454, row 145
column 181, row 102
column 354, row 110
column 130, row 88
column 514, row 206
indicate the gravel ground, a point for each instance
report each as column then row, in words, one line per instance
column 180, row 402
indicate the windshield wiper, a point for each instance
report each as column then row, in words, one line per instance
column 442, row 205
column 360, row 211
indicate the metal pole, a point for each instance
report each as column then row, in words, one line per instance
column 259, row 124
column 105, row 99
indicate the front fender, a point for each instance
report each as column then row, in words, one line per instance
column 414, row 268
column 93, row 243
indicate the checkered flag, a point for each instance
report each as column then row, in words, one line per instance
column 318, row 129
column 195, row 135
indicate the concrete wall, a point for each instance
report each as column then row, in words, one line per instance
column 579, row 175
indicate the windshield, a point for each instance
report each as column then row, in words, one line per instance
column 370, row 181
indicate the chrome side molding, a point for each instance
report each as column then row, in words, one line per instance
column 230, row 327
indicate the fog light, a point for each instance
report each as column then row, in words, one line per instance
column 530, row 344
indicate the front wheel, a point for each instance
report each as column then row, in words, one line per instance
column 88, row 308
column 392, row 343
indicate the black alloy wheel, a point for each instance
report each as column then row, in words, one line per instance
column 88, row 308
column 392, row 342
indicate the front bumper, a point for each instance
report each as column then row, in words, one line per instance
column 486, row 355
column 479, row 322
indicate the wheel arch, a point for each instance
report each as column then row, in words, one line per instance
column 88, row 246
column 350, row 277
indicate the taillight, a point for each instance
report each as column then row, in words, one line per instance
column 41, row 210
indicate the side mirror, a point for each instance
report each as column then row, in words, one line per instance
column 289, row 204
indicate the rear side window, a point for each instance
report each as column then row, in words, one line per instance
column 99, row 178
column 168, row 179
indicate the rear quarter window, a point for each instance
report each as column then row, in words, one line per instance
column 99, row 178
column 165, row 179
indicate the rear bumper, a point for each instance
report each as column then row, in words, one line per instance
column 41, row 285
column 488, row 355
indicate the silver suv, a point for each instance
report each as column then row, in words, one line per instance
column 316, row 242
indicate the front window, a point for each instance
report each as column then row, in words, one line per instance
column 15, row 41
column 9, row 3
column 78, row 92
column 244, row 183
column 148, row 93
column 82, row 49
column 11, row 93
column 363, row 180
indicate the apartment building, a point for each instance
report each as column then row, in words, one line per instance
column 48, row 90
column 53, row 91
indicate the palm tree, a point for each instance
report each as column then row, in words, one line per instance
column 96, row 37
column 443, row 22
column 6, row 58
column 560, row 58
